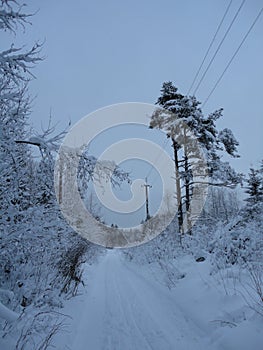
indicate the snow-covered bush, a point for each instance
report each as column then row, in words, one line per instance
column 165, row 246
column 69, row 266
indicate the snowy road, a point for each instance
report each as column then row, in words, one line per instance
column 125, row 306
column 124, row 311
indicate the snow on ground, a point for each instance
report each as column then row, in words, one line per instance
column 125, row 306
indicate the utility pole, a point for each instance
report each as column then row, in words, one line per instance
column 147, row 199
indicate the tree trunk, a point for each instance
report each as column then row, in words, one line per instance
column 187, row 184
column 178, row 187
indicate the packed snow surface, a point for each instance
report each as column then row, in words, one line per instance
column 127, row 306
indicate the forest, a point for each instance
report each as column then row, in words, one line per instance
column 45, row 264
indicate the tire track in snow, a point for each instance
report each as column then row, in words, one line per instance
column 116, row 322
column 126, row 309
column 144, row 321
column 131, row 319
column 169, row 310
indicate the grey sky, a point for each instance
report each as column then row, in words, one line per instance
column 105, row 52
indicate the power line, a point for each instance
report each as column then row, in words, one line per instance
column 234, row 55
column 219, row 46
column 209, row 47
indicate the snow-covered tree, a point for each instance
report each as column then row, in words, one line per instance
column 15, row 73
column 177, row 116
column 254, row 186
column 32, row 243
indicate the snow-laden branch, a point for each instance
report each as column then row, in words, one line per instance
column 16, row 65
column 218, row 184
column 47, row 141
column 10, row 18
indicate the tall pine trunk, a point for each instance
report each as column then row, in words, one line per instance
column 178, row 187
column 187, row 184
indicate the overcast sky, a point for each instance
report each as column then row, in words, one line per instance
column 99, row 53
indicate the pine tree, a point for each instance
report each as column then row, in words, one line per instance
column 179, row 114
column 254, row 186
